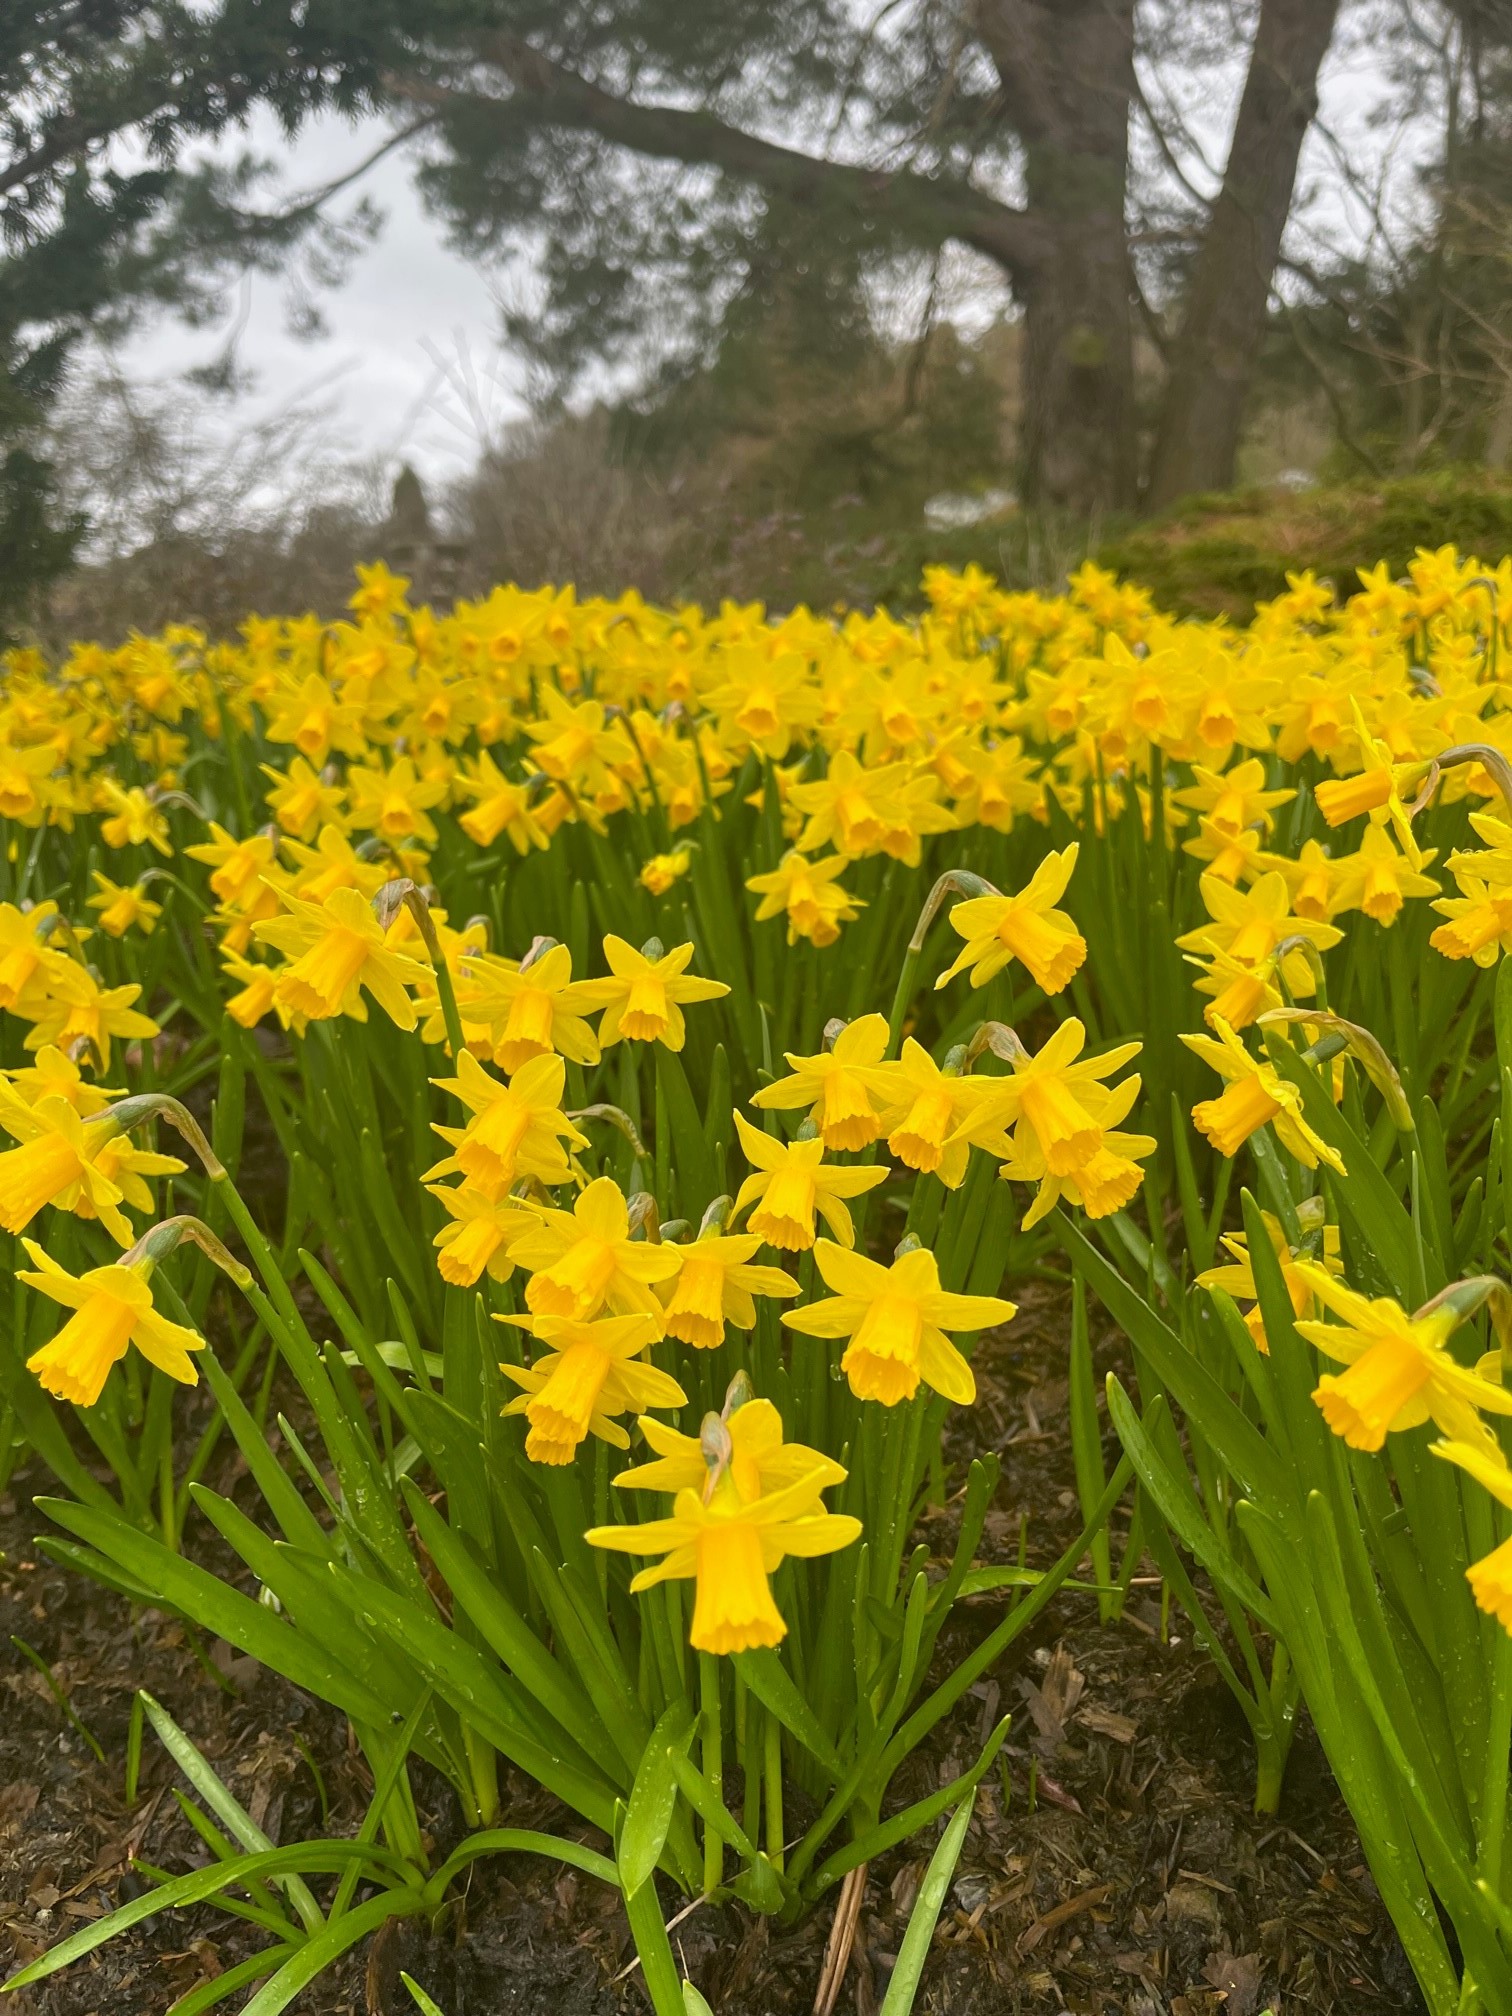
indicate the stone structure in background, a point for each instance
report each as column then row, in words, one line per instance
column 410, row 544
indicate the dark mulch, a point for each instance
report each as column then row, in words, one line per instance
column 1138, row 1881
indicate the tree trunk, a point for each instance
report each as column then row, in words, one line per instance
column 1066, row 70
column 1221, row 331
column 1078, row 445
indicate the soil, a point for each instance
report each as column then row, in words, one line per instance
column 1114, row 1868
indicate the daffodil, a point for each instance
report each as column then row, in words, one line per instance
column 1102, row 1185
column 237, row 867
column 1234, row 799
column 716, row 1283
column 1058, row 1097
column 1255, row 1096
column 1237, row 1277
column 500, row 806
column 338, row 951
column 1241, row 994
column 304, row 800
column 1375, row 790
column 896, row 1319
column 584, row 1260
column 644, row 996
column 480, row 1233
column 758, row 1464
column 791, row 1182
column 935, row 1115
column 808, row 893
column 112, row 1310
column 1251, row 925
column 729, row 1548
column 1312, row 880
column 134, row 819
column 315, row 720
column 1400, row 1371
column 515, row 1129
column 26, row 958
column 78, row 1011
column 54, row 1074
column 123, row 908
column 1026, row 927
column 841, row 1086
column 663, row 870
column 534, row 1008
column 1490, row 1578
column 1378, row 878
column 1479, row 923
column 395, row 802
column 590, row 1372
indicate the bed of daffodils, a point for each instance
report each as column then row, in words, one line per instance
column 570, row 1082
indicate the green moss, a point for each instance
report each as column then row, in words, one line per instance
column 1220, row 554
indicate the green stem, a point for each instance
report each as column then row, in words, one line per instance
column 772, row 1744
column 713, row 1766
column 1493, row 1801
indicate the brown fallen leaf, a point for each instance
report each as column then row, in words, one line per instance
column 1031, row 1936
column 17, row 1803
column 1108, row 1722
column 1236, row 1976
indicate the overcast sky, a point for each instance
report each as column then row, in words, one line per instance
column 412, row 367
column 412, row 323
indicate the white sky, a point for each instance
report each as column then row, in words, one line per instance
column 412, row 366
column 410, row 323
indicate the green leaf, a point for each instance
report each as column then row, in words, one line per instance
column 308, row 1858
column 768, row 1679
column 1173, row 1493
column 652, row 1946
column 518, row 1841
column 914, row 1951
column 653, row 1797
column 219, row 1986
column 326, row 1947
column 421, row 2000
column 877, row 1840
column 205, row 1600
column 1238, row 1443
column 221, row 1802
column 502, row 1629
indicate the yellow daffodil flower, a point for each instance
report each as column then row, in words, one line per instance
column 479, row 1237
column 338, row 952
column 123, row 908
column 1256, row 1095
column 808, row 893
column 841, row 1086
column 644, row 996
column 1026, row 927
column 515, row 1129
column 590, row 1372
column 112, row 1310
column 534, row 1008
column 1400, row 1374
column 729, row 1548
column 1237, row 1278
column 716, row 1283
column 760, row 1462
column 584, row 1260
column 896, row 1318
column 791, row 1182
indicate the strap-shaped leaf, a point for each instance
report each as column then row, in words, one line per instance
column 653, row 1797
column 925, row 1915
